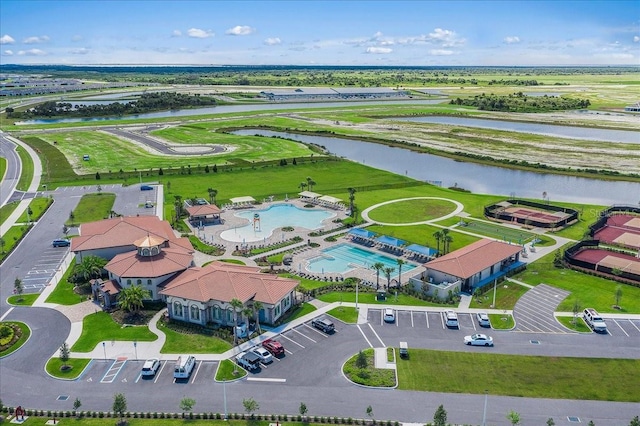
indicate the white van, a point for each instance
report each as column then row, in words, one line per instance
column 594, row 320
column 184, row 366
column 451, row 319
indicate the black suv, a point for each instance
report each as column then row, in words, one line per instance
column 323, row 324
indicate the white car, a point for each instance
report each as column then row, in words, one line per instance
column 478, row 340
column 265, row 355
column 389, row 315
column 483, row 319
column 150, row 367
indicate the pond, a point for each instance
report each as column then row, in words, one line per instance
column 477, row 178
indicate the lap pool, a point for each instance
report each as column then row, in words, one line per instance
column 344, row 257
column 276, row 216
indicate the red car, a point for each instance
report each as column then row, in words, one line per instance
column 274, row 347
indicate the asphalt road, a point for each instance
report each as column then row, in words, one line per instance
column 14, row 168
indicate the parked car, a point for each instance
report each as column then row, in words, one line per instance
column 265, row 356
column 150, row 367
column 404, row 350
column 323, row 324
column 61, row 242
column 248, row 360
column 184, row 366
column 146, row 188
column 274, row 347
column 478, row 340
column 594, row 320
column 451, row 319
column 483, row 319
column 389, row 315
column 148, row 205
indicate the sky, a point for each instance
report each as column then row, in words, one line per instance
column 328, row 32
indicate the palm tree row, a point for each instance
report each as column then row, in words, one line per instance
column 445, row 238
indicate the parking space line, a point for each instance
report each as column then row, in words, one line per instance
column 426, row 314
column 473, row 322
column 621, row 328
column 442, row 319
column 374, row 332
column 288, row 351
column 159, row 372
column 196, row 373
column 634, row 324
column 411, row 313
column 139, row 377
column 291, row 340
column 265, row 379
column 307, row 337
column 363, row 335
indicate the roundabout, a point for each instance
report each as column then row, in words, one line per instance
column 459, row 207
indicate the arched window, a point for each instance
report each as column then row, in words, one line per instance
column 139, row 281
column 128, row 282
column 177, row 309
column 217, row 314
column 149, row 282
column 154, row 251
column 229, row 315
column 145, row 252
column 195, row 313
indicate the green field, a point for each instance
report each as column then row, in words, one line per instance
column 92, row 207
column 410, row 211
column 100, row 327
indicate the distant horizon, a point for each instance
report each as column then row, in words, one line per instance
column 312, row 32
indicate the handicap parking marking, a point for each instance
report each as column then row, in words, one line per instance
column 114, row 369
column 621, row 328
column 293, row 341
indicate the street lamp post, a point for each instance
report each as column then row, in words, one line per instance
column 484, row 413
column 357, row 281
column 104, row 348
column 135, row 348
column 224, row 393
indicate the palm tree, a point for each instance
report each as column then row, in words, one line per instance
column 131, row 298
column 387, row 272
column 378, row 266
column 178, row 206
column 447, row 241
column 310, row 183
column 302, row 186
column 235, row 304
column 257, row 306
column 247, row 311
column 352, row 198
column 438, row 235
column 212, row 195
column 400, row 263
column 90, row 267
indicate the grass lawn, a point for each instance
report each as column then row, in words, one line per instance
column 23, row 300
column 63, row 294
column 412, row 211
column 26, row 173
column 26, row 332
column 572, row 378
column 92, row 207
column 306, row 284
column 507, row 294
column 501, row 321
column 85, row 421
column 78, row 365
column 100, row 326
column 300, row 311
column 369, row 376
column 390, row 355
column 7, row 209
column 346, row 314
column 38, row 207
column 225, row 371
column 11, row 238
column 191, row 343
column 590, row 291
column 578, row 325
column 370, row 298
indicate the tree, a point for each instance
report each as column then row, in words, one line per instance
column 576, row 310
column 236, row 304
column 72, row 216
column 247, row 311
column 119, row 406
column 2, row 243
column 212, row 195
column 18, row 288
column 591, row 423
column 513, row 417
column 90, row 267
column 618, row 295
column 99, row 189
column 352, row 198
column 440, row 416
column 131, row 299
column 250, row 405
column 303, row 410
column 361, row 360
column 186, row 404
column 446, row 239
column 635, row 421
column 97, row 175
column 77, row 404
column 557, row 259
column 378, row 266
column 302, row 186
column 387, row 272
column 310, row 183
column 438, row 236
column 65, row 353
column 369, row 411
column 400, row 263
column 177, row 204
column 65, row 230
column 550, row 422
column 257, row 306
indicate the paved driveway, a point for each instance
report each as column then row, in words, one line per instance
column 534, row 311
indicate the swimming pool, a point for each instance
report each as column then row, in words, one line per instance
column 274, row 217
column 344, row 257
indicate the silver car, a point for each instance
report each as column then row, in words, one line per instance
column 483, row 319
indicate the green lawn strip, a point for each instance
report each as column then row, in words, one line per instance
column 23, row 300
column 369, row 376
column 26, row 173
column 390, row 355
column 64, row 294
column 3, row 167
column 195, row 343
column 507, row 294
column 92, row 207
column 12, row 237
column 100, row 326
column 511, row 375
column 501, row 321
column 131, row 421
column 576, row 324
column 226, row 370
column 233, row 261
column 589, row 290
column 54, row 367
column 306, row 284
column 346, row 314
column 370, row 298
column 26, row 332
column 38, row 207
column 300, row 311
column 412, row 211
column 7, row 209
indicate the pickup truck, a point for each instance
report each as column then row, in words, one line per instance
column 248, row 361
column 274, row 347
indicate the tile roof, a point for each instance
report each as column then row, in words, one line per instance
column 203, row 210
column 224, row 282
column 468, row 261
column 120, row 231
column 131, row 265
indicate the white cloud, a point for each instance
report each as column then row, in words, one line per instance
column 386, row 43
column 272, row 41
column 240, row 30
column 8, row 52
column 80, row 51
column 447, row 38
column 198, row 33
column 176, row 33
column 440, row 52
column 377, row 34
column 32, row 52
column 7, row 39
column 636, row 39
column 76, row 38
column 378, row 50
column 512, row 39
column 35, row 39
